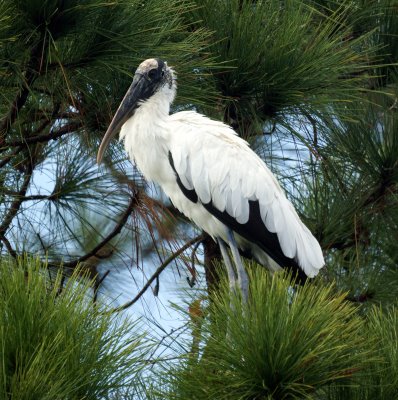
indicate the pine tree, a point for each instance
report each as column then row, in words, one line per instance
column 312, row 85
column 64, row 67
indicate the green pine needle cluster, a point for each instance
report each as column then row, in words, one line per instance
column 56, row 344
column 286, row 342
column 381, row 379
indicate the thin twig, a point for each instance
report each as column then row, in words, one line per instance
column 28, row 198
column 314, row 150
column 158, row 272
column 191, row 281
column 107, row 239
column 98, row 283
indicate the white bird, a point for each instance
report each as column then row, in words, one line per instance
column 213, row 177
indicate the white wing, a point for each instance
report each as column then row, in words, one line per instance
column 211, row 159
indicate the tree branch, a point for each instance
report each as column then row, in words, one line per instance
column 32, row 197
column 158, row 272
column 32, row 71
column 16, row 105
column 8, row 245
column 98, row 283
column 16, row 204
column 107, row 239
column 64, row 130
column 9, row 157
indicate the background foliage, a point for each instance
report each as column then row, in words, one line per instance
column 55, row 344
column 312, row 85
column 274, row 346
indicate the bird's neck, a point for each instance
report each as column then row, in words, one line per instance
column 148, row 120
column 145, row 136
column 157, row 106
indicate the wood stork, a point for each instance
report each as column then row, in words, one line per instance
column 213, row 177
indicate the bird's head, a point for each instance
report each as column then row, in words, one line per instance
column 153, row 77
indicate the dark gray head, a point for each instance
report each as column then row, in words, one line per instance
column 152, row 77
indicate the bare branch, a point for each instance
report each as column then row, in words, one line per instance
column 64, row 130
column 16, row 204
column 98, row 283
column 117, row 229
column 31, row 73
column 9, row 157
column 16, row 105
column 8, row 246
column 160, row 269
column 27, row 198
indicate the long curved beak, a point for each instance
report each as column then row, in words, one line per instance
column 137, row 91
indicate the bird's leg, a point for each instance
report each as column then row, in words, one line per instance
column 228, row 264
column 243, row 279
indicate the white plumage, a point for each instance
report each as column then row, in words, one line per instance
column 211, row 175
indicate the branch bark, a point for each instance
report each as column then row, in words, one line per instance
column 9, row 157
column 31, row 73
column 64, row 130
column 16, row 204
column 10, row 249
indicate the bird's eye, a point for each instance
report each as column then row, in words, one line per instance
column 152, row 74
